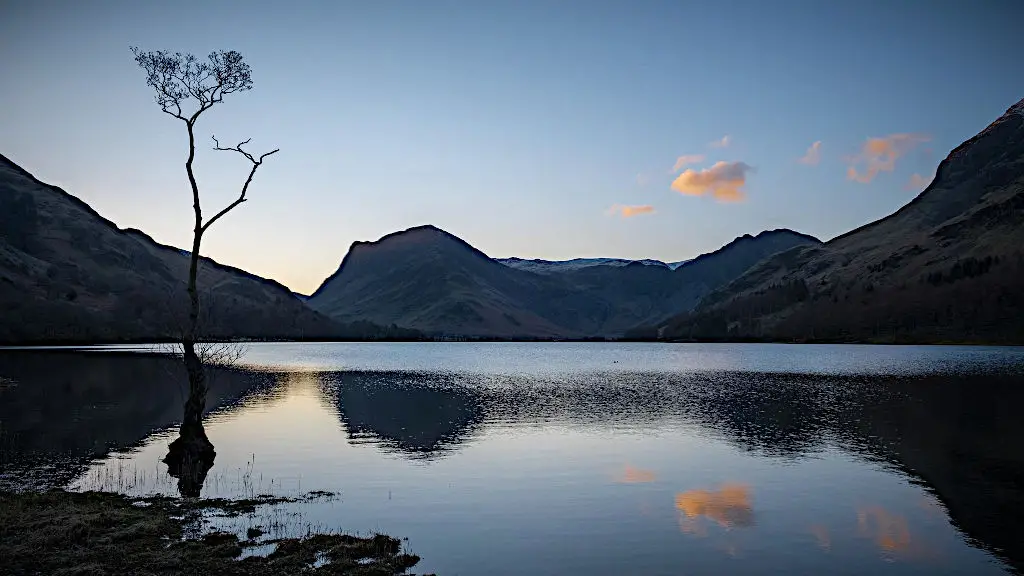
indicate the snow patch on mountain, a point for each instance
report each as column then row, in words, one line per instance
column 552, row 266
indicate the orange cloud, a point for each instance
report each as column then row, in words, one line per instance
column 880, row 154
column 630, row 211
column 684, row 160
column 917, row 183
column 721, row 143
column 724, row 181
column 633, row 475
column 813, row 155
column 728, row 506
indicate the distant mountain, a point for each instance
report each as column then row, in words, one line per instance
column 556, row 266
column 69, row 275
column 948, row 266
column 730, row 261
column 427, row 279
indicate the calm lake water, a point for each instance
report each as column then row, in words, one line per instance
column 595, row 459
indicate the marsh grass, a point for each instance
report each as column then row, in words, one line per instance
column 59, row 532
column 122, row 518
column 125, row 476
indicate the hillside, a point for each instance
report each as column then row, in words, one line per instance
column 69, row 275
column 427, row 279
column 948, row 266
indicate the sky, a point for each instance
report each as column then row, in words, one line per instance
column 537, row 129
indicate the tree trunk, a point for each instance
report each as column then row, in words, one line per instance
column 191, row 455
column 195, row 405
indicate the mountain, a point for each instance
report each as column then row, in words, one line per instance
column 69, row 275
column 427, row 279
column 948, row 266
column 555, row 266
column 730, row 261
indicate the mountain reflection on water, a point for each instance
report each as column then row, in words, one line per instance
column 958, row 434
column 398, row 413
column 955, row 434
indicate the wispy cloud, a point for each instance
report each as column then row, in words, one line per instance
column 723, row 181
column 630, row 211
column 642, row 179
column 880, row 154
column 722, row 142
column 813, row 155
column 917, row 183
column 687, row 159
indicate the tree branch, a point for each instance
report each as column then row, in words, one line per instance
column 256, row 162
column 227, row 209
column 173, row 113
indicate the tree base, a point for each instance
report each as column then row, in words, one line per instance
column 189, row 458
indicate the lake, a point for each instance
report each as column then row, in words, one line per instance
column 569, row 458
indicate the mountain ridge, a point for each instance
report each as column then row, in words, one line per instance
column 541, row 265
column 70, row 275
column 431, row 280
column 10, row 164
column 398, row 234
column 73, row 275
column 945, row 267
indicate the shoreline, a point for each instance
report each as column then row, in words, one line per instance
column 58, row 531
column 73, row 345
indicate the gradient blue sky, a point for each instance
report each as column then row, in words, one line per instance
column 514, row 125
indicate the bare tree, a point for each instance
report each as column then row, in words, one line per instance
column 186, row 87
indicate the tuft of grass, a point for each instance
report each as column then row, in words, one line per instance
column 59, row 532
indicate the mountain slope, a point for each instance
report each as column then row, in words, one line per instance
column 730, row 261
column 69, row 275
column 948, row 266
column 430, row 280
column 427, row 279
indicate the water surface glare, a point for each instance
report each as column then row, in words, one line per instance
column 574, row 458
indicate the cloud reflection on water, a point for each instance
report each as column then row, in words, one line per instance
column 632, row 475
column 822, row 536
column 888, row 530
column 729, row 506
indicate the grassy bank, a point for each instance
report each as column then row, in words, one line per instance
column 96, row 533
